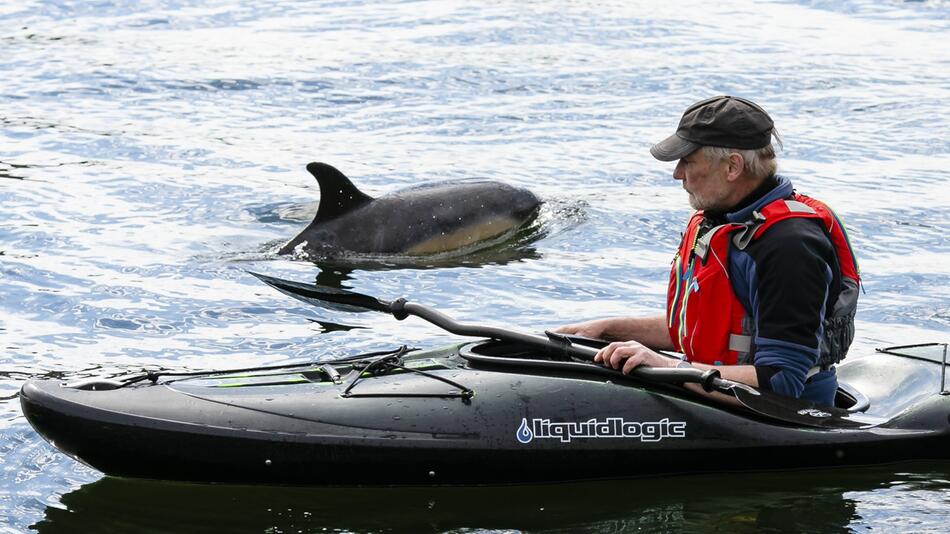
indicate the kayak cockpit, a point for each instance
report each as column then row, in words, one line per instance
column 850, row 398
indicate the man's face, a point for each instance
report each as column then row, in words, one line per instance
column 705, row 181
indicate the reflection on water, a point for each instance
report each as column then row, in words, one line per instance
column 828, row 501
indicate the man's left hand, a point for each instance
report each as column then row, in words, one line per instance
column 627, row 355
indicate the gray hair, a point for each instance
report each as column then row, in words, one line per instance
column 760, row 163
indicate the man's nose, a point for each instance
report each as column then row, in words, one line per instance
column 678, row 172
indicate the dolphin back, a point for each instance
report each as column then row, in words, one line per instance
column 429, row 218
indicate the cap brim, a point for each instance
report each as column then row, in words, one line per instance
column 673, row 148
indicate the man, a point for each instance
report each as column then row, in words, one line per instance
column 764, row 285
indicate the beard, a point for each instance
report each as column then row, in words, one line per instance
column 708, row 203
column 694, row 202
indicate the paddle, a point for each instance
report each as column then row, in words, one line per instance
column 764, row 403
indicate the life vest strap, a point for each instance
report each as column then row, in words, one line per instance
column 701, row 248
column 740, row 343
column 795, row 206
column 742, row 237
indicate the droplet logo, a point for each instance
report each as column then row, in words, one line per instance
column 524, row 433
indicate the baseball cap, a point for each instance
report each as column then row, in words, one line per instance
column 723, row 121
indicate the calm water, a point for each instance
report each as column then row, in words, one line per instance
column 150, row 153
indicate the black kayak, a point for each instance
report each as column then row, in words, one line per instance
column 481, row 413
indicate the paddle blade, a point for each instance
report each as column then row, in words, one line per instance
column 799, row 412
column 324, row 296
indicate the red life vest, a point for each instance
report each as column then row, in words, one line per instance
column 705, row 318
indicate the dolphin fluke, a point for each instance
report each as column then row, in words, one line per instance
column 338, row 195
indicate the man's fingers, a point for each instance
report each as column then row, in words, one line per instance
column 605, row 353
column 632, row 363
column 566, row 329
column 625, row 356
column 619, row 352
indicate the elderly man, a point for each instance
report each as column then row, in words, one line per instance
column 764, row 285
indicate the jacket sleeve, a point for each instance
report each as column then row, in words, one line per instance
column 785, row 277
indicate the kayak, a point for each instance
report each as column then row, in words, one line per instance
column 487, row 412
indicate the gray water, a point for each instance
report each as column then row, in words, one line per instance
column 151, row 152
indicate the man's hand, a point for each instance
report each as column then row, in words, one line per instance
column 628, row 355
column 596, row 329
column 649, row 330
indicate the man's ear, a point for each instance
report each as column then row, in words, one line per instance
column 736, row 166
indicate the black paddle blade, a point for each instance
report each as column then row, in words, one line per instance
column 799, row 412
column 324, row 296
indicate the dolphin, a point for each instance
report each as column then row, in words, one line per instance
column 424, row 219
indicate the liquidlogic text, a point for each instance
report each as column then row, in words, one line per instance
column 612, row 427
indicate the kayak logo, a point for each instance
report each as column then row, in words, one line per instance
column 612, row 427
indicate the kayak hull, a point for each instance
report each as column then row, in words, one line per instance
column 404, row 427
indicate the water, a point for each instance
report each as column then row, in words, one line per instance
column 150, row 153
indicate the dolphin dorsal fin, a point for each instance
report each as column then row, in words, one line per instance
column 338, row 195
